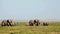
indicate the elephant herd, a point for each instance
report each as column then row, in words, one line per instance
column 34, row 22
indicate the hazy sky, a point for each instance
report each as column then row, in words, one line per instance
column 28, row 9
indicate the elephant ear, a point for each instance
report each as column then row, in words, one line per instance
column 34, row 21
column 7, row 20
column 10, row 20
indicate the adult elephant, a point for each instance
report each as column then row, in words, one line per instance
column 34, row 22
column 31, row 23
column 6, row 22
column 45, row 24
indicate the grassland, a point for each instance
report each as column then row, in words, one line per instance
column 20, row 28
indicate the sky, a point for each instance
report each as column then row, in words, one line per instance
column 29, row 9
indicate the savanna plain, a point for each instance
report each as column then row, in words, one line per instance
column 22, row 28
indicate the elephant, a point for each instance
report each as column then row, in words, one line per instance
column 45, row 24
column 34, row 22
column 31, row 23
column 6, row 22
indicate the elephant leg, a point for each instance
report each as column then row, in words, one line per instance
column 10, row 24
column 31, row 24
column 36, row 24
column 7, row 24
column 46, row 24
